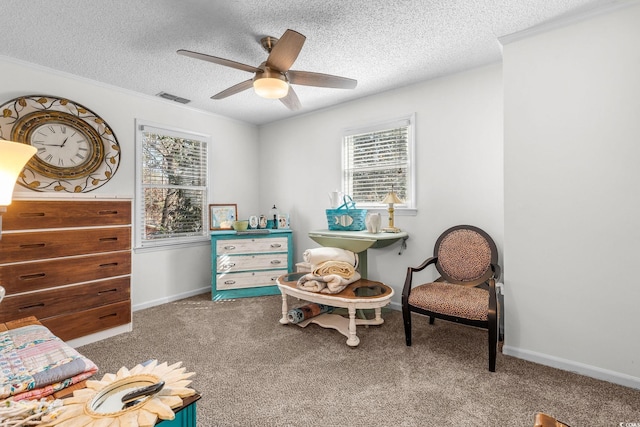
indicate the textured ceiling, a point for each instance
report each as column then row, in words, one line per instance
column 383, row 44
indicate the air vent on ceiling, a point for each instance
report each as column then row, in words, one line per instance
column 174, row 98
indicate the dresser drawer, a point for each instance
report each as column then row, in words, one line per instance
column 32, row 276
column 81, row 323
column 15, row 247
column 66, row 299
column 228, row 263
column 247, row 246
column 248, row 279
column 35, row 214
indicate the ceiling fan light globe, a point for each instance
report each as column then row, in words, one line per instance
column 271, row 88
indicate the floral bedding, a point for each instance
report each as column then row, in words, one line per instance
column 34, row 363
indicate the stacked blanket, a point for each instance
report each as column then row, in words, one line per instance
column 34, row 363
column 333, row 269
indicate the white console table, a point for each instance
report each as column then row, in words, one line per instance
column 359, row 242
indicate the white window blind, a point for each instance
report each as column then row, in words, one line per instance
column 377, row 159
column 172, row 186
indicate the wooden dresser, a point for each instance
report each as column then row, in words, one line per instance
column 68, row 263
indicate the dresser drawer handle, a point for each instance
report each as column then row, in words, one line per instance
column 108, row 315
column 230, row 247
column 229, row 282
column 228, row 265
column 111, row 264
column 276, row 261
column 276, row 245
column 108, row 291
column 29, row 307
column 274, row 278
column 108, row 239
column 30, row 214
column 32, row 276
column 33, row 246
column 110, row 212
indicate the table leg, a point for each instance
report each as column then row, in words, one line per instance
column 378, row 311
column 353, row 340
column 285, row 309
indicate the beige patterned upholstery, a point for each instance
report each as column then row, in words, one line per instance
column 465, row 255
column 451, row 300
column 467, row 259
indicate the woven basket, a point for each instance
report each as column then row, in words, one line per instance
column 346, row 217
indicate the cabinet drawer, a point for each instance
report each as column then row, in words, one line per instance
column 228, row 263
column 31, row 276
column 247, row 246
column 35, row 214
column 65, row 300
column 28, row 246
column 247, row 279
column 75, row 325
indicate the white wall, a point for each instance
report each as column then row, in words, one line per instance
column 572, row 211
column 159, row 275
column 459, row 164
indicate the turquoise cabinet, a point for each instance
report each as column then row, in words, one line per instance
column 247, row 264
column 185, row 416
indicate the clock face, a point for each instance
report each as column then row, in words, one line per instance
column 77, row 151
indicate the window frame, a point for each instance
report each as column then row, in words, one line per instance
column 140, row 242
column 408, row 206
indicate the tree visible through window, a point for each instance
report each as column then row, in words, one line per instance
column 377, row 159
column 172, row 185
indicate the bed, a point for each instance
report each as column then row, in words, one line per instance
column 34, row 363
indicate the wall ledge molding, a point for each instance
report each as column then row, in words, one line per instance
column 568, row 19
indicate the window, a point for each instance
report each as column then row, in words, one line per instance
column 171, row 178
column 377, row 159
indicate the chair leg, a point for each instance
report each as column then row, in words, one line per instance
column 431, row 320
column 493, row 342
column 406, row 316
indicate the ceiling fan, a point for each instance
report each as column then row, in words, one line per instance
column 272, row 78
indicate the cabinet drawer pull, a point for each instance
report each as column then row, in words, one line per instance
column 33, row 246
column 107, row 291
column 108, row 239
column 274, row 278
column 32, row 276
column 111, row 264
column 108, row 315
column 29, row 307
column 228, row 265
column 276, row 261
column 230, row 247
column 30, row 214
column 229, row 282
column 109, row 212
column 276, row 245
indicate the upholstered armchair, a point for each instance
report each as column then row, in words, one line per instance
column 467, row 259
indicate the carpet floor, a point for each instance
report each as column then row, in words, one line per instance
column 253, row 371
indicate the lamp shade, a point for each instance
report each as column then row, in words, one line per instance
column 13, row 157
column 392, row 197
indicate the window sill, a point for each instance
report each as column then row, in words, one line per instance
column 165, row 246
column 396, row 211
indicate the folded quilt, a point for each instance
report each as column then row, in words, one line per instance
column 34, row 363
column 329, row 284
column 341, row 268
column 317, row 256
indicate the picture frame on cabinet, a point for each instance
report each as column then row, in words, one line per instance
column 222, row 216
column 283, row 221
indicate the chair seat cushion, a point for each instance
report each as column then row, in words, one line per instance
column 452, row 300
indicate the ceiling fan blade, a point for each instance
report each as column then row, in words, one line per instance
column 285, row 51
column 307, row 78
column 291, row 101
column 220, row 61
column 234, row 89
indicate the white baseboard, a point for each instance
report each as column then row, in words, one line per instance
column 171, row 298
column 99, row 336
column 573, row 366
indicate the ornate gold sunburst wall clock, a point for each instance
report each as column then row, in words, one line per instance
column 77, row 150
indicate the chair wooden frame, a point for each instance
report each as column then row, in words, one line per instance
column 486, row 281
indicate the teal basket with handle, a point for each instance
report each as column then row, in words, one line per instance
column 346, row 217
